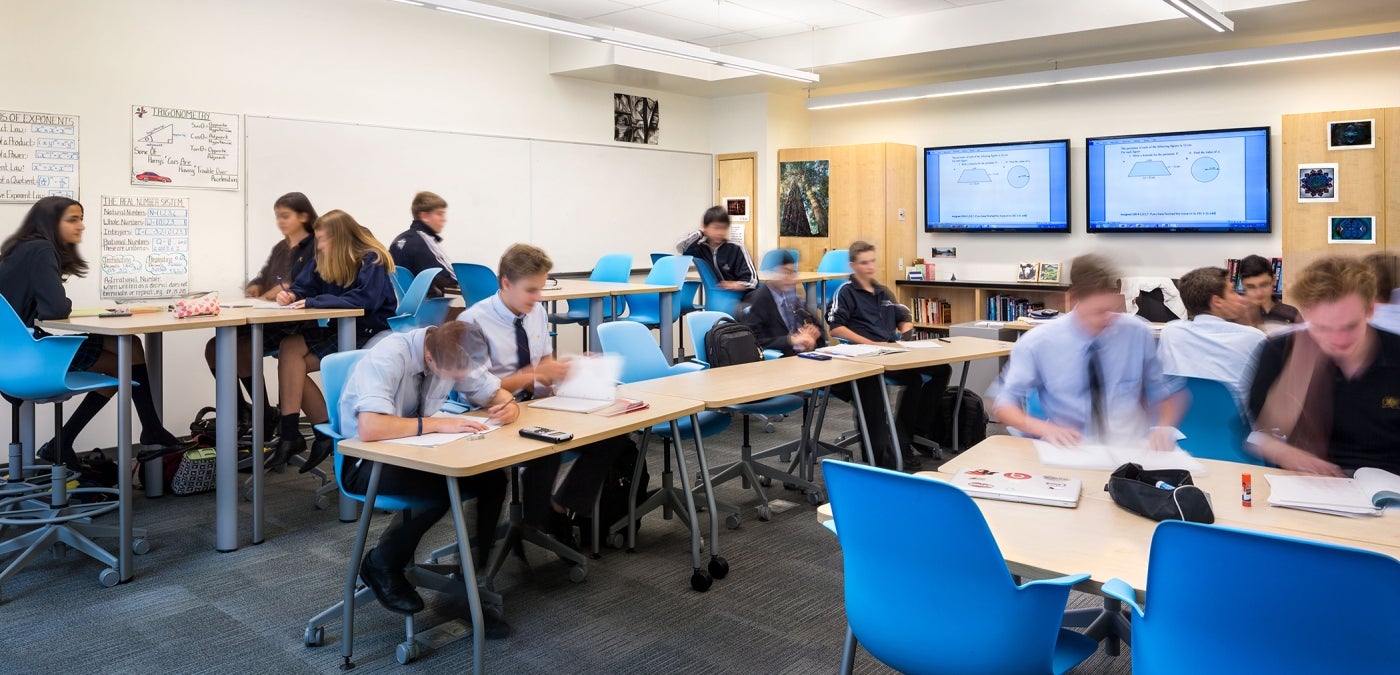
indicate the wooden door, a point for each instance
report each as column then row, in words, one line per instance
column 736, row 178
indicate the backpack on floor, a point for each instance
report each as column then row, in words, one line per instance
column 972, row 427
column 612, row 499
column 730, row 342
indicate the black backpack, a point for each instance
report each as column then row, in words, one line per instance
column 730, row 342
column 972, row 428
column 612, row 498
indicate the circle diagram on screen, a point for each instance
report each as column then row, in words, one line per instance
column 1018, row 177
column 1205, row 169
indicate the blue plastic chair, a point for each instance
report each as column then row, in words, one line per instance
column 402, row 279
column 415, row 309
column 1214, row 426
column 36, row 370
column 772, row 259
column 688, row 300
column 1222, row 600
column 838, row 260
column 717, row 299
column 645, row 308
column 477, row 282
column 614, row 267
column 970, row 617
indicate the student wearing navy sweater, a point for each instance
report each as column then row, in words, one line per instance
column 351, row 271
column 420, row 246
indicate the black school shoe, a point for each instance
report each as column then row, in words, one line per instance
column 390, row 587
column 283, row 451
column 321, row 448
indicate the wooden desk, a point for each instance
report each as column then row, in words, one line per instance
column 595, row 291
column 503, row 448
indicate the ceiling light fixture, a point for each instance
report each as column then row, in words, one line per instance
column 628, row 40
column 1255, row 56
column 1204, row 13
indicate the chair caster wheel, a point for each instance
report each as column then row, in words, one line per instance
column 765, row 481
column 765, row 513
column 406, row 653
column 768, row 428
column 615, row 540
column 732, row 521
column 785, row 457
column 108, row 578
column 719, row 567
column 247, row 494
column 577, row 574
column 814, row 498
column 701, row 581
column 141, row 547
column 314, row 637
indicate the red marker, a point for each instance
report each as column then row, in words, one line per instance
column 1246, row 490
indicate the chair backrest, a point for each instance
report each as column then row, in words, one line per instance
column 773, row 258
column 34, row 369
column 414, row 293
column 641, row 357
column 477, row 282
column 614, row 267
column 1215, row 427
column 699, row 325
column 838, row 260
column 401, row 279
column 657, row 256
column 1225, row 600
column 965, row 612
column 716, row 299
column 669, row 270
column 335, row 370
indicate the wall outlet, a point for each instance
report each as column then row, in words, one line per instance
column 901, row 214
column 901, row 264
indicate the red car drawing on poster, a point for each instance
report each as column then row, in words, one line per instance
column 151, row 177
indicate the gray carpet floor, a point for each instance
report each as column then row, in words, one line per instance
column 192, row 610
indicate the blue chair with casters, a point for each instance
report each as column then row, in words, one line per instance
column 973, row 617
column 415, row 309
column 754, row 474
column 402, row 279
column 335, row 371
column 689, row 302
column 838, row 260
column 642, row 360
column 615, row 268
column 772, row 259
column 36, row 371
column 717, row 299
column 1214, row 426
column 477, row 282
column 1222, row 600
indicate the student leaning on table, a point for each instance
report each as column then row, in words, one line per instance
column 392, row 393
column 731, row 262
column 508, row 333
column 350, row 271
column 35, row 262
column 1327, row 398
column 1095, row 371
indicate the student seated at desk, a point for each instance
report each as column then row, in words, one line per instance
column 509, row 334
column 392, row 393
column 1327, row 399
column 34, row 263
column 350, row 271
column 294, row 214
column 1387, row 315
column 1095, row 370
column 418, row 248
column 1211, row 344
column 1257, row 278
column 865, row 312
column 779, row 315
column 730, row 261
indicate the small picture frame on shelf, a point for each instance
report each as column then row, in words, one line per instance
column 1026, row 271
column 1049, row 273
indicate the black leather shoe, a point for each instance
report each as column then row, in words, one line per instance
column 496, row 627
column 321, row 448
column 390, row 587
column 286, row 447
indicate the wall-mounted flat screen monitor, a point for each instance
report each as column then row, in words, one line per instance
column 1189, row 181
column 1005, row 187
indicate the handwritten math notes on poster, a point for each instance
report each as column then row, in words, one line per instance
column 171, row 147
column 38, row 156
column 145, row 247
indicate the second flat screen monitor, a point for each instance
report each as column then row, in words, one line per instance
column 1006, row 187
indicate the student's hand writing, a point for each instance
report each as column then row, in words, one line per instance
column 1295, row 459
column 1060, row 436
column 1162, row 439
column 505, row 413
column 286, row 298
column 452, row 425
column 300, row 304
column 550, row 371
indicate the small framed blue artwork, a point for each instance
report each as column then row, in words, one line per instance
column 1351, row 230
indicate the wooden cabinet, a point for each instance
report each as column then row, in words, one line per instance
column 872, row 193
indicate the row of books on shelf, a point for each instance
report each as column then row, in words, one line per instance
column 931, row 310
column 1232, row 265
column 1008, row 308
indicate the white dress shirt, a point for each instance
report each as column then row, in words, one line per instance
column 491, row 337
column 1211, row 348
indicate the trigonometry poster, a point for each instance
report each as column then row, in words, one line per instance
column 172, row 147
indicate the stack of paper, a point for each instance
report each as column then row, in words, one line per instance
column 1364, row 495
column 858, row 351
column 921, row 344
column 591, row 385
column 1113, row 456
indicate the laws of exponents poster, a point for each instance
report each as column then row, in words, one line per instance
column 38, row 156
column 145, row 247
column 172, row 147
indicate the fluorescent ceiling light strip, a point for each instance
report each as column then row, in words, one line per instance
column 409, row 2
column 1204, row 13
column 639, row 41
column 1367, row 44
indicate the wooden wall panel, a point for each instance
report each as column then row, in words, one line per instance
column 901, row 177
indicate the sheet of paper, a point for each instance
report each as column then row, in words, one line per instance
column 592, row 377
column 1321, row 492
column 434, row 440
column 1091, row 456
column 255, row 303
column 921, row 344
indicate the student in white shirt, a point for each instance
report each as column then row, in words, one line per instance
column 392, row 393
column 1211, row 344
column 509, row 335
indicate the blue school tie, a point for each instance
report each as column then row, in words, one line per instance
column 522, row 355
column 1096, row 407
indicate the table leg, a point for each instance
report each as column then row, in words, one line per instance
column 866, row 440
column 345, row 343
column 153, row 473
column 668, row 330
column 957, row 404
column 595, row 318
column 357, row 552
column 255, row 358
column 689, row 496
column 226, row 439
column 709, row 487
column 894, row 432
column 124, row 536
column 464, row 555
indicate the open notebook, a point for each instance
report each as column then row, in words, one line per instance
column 853, row 351
column 590, row 386
column 1113, row 456
column 1370, row 491
column 1011, row 486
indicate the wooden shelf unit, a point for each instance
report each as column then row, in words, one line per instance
column 968, row 299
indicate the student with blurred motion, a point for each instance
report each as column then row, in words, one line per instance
column 420, row 246
column 1210, row 344
column 1257, row 277
column 779, row 315
column 1387, row 315
column 730, row 261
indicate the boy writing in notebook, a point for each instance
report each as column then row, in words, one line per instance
column 730, row 261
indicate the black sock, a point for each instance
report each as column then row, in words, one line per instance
column 92, row 403
column 289, row 427
column 153, row 431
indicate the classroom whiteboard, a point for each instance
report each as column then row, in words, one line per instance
column 577, row 201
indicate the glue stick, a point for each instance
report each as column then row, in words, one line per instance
column 1246, row 490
